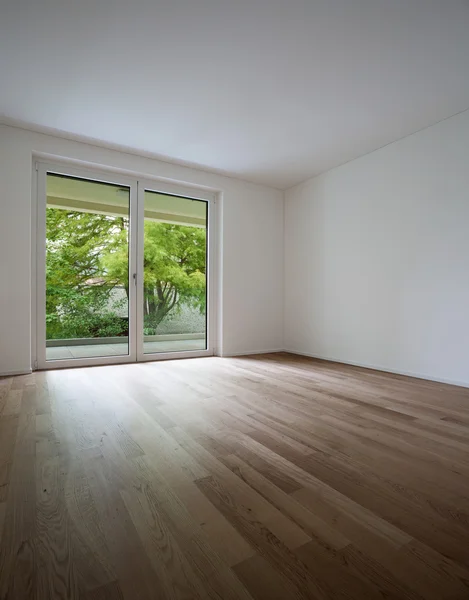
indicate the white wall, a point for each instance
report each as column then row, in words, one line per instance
column 251, row 315
column 377, row 258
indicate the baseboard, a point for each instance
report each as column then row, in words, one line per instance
column 249, row 352
column 13, row 373
column 464, row 384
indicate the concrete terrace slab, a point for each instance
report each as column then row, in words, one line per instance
column 99, row 350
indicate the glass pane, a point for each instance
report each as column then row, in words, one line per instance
column 175, row 286
column 87, row 268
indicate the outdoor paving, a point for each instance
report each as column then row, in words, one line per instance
column 96, row 350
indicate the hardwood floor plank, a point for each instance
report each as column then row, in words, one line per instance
column 18, row 556
column 223, row 538
column 177, row 578
column 53, row 531
column 12, row 405
column 90, row 549
column 2, row 518
column 280, row 478
column 217, row 577
column 266, row 543
column 5, row 385
column 397, row 505
column 109, row 591
column 349, row 582
column 312, row 525
column 130, row 561
column 261, row 477
column 335, row 499
column 287, row 531
column 8, row 433
column 262, row 579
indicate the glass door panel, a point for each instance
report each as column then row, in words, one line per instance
column 87, row 268
column 174, row 273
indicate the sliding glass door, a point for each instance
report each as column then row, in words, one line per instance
column 87, row 268
column 174, row 291
column 122, row 269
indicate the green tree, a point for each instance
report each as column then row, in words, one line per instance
column 77, row 292
column 174, row 269
column 87, row 257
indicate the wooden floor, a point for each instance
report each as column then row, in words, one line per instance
column 269, row 477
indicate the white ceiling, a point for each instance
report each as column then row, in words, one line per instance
column 272, row 91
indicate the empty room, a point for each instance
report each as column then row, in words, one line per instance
column 234, row 300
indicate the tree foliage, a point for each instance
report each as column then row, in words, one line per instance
column 87, row 258
column 173, row 267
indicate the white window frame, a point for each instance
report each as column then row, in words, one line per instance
column 137, row 186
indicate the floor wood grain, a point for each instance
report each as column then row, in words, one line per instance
column 261, row 477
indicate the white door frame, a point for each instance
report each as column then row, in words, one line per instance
column 193, row 194
column 100, row 177
column 137, row 187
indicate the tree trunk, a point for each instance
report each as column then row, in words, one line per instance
column 159, row 302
